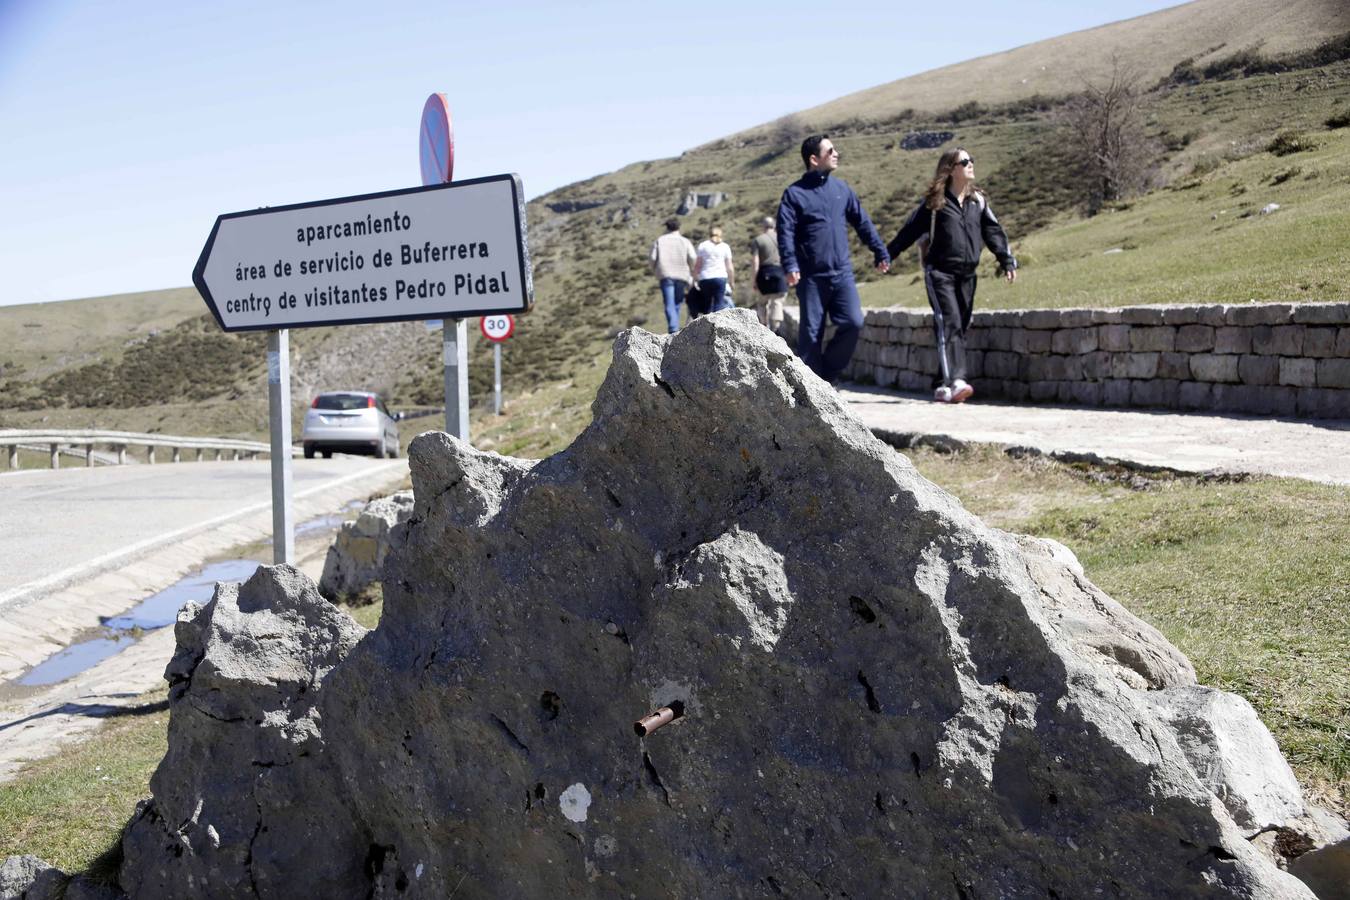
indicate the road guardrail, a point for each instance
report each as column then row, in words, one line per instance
column 55, row 440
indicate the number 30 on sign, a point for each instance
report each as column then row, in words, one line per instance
column 497, row 328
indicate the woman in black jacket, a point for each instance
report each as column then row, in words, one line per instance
column 951, row 226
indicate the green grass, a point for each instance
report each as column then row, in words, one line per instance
column 69, row 809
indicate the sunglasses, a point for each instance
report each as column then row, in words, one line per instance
column 965, row 162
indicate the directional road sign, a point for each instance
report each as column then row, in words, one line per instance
column 497, row 328
column 441, row 251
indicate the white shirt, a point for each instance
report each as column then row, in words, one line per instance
column 713, row 259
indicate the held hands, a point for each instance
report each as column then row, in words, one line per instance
column 883, row 267
column 1011, row 275
column 793, row 278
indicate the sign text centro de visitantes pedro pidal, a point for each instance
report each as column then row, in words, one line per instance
column 446, row 251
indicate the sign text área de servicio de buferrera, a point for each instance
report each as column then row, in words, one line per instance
column 406, row 256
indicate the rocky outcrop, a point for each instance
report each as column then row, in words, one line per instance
column 355, row 560
column 695, row 200
column 925, row 140
column 877, row 695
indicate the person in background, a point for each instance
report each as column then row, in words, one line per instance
column 766, row 272
column 672, row 260
column 813, row 246
column 952, row 225
column 715, row 274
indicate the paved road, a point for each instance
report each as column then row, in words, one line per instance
column 74, row 521
column 1186, row 442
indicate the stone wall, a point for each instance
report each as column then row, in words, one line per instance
column 1271, row 358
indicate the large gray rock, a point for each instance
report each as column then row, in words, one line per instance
column 30, row 878
column 356, row 558
column 880, row 695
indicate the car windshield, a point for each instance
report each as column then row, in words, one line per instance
column 342, row 401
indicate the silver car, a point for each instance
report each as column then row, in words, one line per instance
column 349, row 422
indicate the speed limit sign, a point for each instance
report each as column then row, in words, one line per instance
column 497, row 328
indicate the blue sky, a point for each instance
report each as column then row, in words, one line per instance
column 126, row 128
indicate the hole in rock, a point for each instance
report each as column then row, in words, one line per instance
column 862, row 610
column 872, row 703
column 550, row 705
column 914, row 761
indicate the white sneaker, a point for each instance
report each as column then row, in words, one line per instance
column 961, row 392
column 943, row 394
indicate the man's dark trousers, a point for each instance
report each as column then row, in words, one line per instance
column 836, row 294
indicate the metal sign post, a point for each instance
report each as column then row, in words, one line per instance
column 497, row 329
column 497, row 379
column 436, row 154
column 455, row 349
column 279, row 421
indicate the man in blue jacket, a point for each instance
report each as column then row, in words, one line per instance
column 813, row 244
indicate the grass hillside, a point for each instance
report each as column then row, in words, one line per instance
column 1203, row 32
column 1249, row 108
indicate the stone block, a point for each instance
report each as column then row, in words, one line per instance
column 1142, row 315
column 909, row 380
column 1036, row 368
column 1298, row 372
column 1322, row 314
column 1181, row 315
column 1067, row 368
column 1323, row 403
column 1175, row 365
column 998, row 364
column 1116, row 392
column 975, row 364
column 1113, row 337
column 1232, row 339
column 1017, row 340
column 923, row 359
column 1155, row 392
column 1075, row 318
column 904, row 335
column 1015, row 390
column 1043, row 391
column 1163, row 337
column 1041, row 318
column 874, row 334
column 885, row 376
column 1259, row 369
column 1001, row 339
column 1083, row 393
column 1319, row 343
column 1097, row 366
column 1343, row 342
column 977, row 338
column 1278, row 340
column 1038, row 341
column 1137, row 365
column 925, row 336
column 1212, row 314
column 1074, row 340
column 1214, row 367
column 894, row 355
column 1111, row 316
column 1195, row 338
column 1333, row 373
column 1262, row 400
column 1260, row 314
column 1195, row 395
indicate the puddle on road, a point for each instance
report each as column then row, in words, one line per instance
column 159, row 610
column 75, row 659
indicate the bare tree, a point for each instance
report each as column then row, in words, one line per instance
column 1104, row 126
